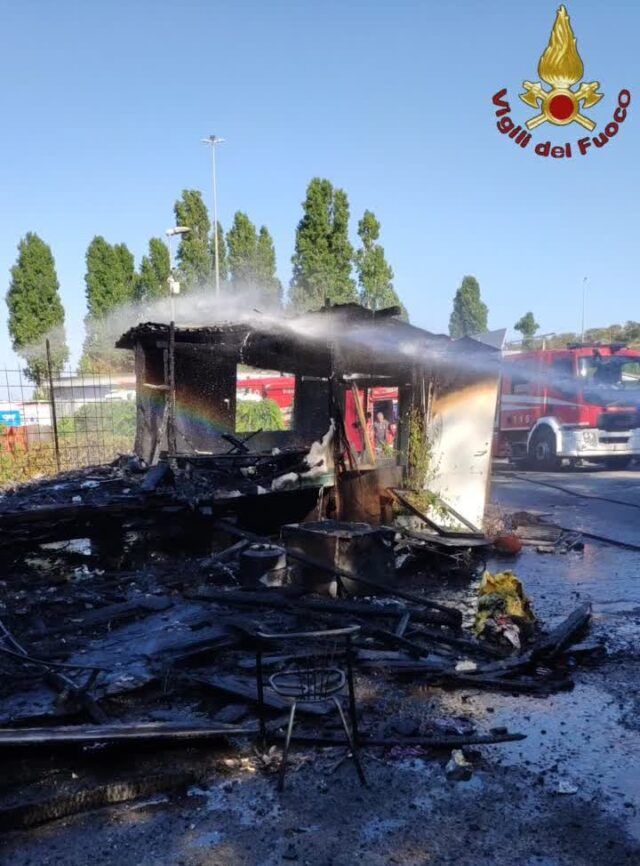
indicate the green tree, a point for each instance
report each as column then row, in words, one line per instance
column 111, row 283
column 268, row 283
column 252, row 259
column 194, row 254
column 126, row 271
column 469, row 315
column 222, row 253
column 110, row 278
column 323, row 256
column 527, row 326
column 35, row 308
column 154, row 272
column 375, row 275
column 344, row 288
column 242, row 242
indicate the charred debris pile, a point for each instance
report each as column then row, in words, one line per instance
column 131, row 595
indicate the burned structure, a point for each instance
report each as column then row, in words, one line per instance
column 175, row 598
column 445, row 394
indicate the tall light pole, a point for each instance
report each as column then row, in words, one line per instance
column 172, row 284
column 212, row 140
column 584, row 303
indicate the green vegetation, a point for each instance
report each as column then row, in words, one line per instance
column 35, row 308
column 375, row 275
column 323, row 255
column 110, row 279
column 96, row 433
column 469, row 315
column 254, row 415
column 527, row 326
column 112, row 417
column 252, row 259
column 268, row 283
column 194, row 254
column 110, row 282
column 154, row 272
column 242, row 241
column 418, row 452
column 323, row 264
column 223, row 269
column 628, row 333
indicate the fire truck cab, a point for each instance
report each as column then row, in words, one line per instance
column 579, row 403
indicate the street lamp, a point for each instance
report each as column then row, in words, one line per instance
column 212, row 140
column 172, row 283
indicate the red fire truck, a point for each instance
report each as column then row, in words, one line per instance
column 581, row 403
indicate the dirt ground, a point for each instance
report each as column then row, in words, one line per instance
column 568, row 795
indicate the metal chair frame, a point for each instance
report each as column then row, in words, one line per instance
column 312, row 682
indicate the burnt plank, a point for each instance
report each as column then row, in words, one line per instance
column 119, row 612
column 564, row 634
column 289, row 601
column 172, row 732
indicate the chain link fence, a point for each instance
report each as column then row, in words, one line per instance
column 74, row 418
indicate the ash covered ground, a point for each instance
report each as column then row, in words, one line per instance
column 568, row 794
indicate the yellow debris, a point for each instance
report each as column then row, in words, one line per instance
column 502, row 595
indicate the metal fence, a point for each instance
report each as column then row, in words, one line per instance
column 73, row 418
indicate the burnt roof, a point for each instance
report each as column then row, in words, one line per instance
column 344, row 338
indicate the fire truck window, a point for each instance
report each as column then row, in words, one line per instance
column 630, row 375
column 563, row 377
column 587, row 367
column 613, row 373
column 519, row 384
column 264, row 399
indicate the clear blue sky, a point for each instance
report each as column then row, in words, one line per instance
column 104, row 104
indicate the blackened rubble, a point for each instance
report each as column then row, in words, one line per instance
column 132, row 594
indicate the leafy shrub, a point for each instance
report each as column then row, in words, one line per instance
column 105, row 416
column 254, row 415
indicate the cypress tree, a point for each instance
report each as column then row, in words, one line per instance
column 110, row 283
column 343, row 288
column 252, row 259
column 154, row 272
column 469, row 315
column 268, row 283
column 375, row 275
column 194, row 254
column 223, row 269
column 242, row 242
column 323, row 255
column 35, row 308
column 110, row 278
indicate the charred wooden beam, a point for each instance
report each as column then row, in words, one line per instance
column 291, row 602
column 81, row 735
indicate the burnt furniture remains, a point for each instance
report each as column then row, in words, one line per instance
column 311, row 675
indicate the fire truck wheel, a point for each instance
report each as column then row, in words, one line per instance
column 618, row 462
column 542, row 450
